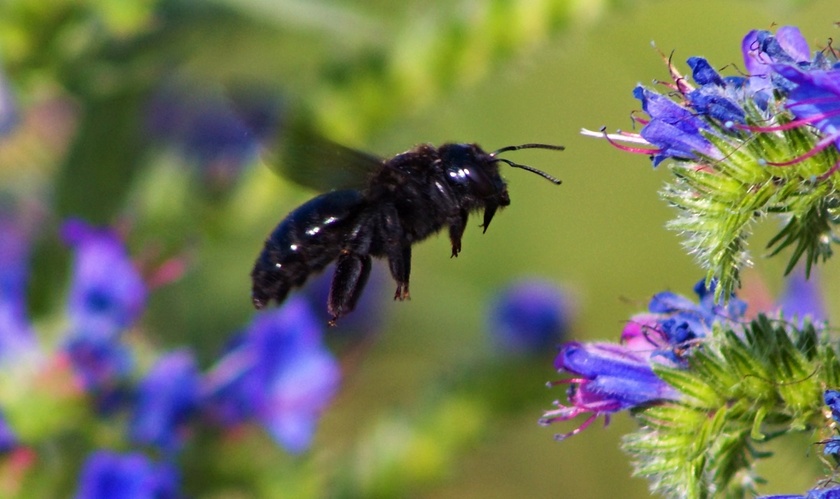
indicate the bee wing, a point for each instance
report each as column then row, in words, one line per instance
column 306, row 157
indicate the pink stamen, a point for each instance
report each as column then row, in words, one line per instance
column 586, row 424
column 635, row 150
column 797, row 122
column 829, row 172
column 774, row 128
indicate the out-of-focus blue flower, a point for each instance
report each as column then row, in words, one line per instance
column 165, row 401
column 107, row 293
column 16, row 336
column 278, row 373
column 100, row 364
column 109, row 475
column 9, row 117
column 802, row 298
column 529, row 317
column 607, row 378
column 8, row 439
column 219, row 134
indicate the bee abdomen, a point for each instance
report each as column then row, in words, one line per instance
column 305, row 242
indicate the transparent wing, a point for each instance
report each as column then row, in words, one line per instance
column 306, row 157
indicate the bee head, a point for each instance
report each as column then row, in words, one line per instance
column 477, row 173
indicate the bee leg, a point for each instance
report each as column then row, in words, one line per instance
column 351, row 275
column 399, row 261
column 456, row 230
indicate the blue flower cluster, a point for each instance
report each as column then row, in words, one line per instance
column 609, row 378
column 687, row 123
column 277, row 374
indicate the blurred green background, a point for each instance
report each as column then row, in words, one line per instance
column 417, row 415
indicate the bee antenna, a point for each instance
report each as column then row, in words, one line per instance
column 531, row 168
column 527, row 146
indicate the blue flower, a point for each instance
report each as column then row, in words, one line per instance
column 815, row 99
column 165, row 401
column 101, row 365
column 107, row 293
column 761, row 49
column 279, row 374
column 16, row 336
column 675, row 323
column 607, row 378
column 829, row 493
column 9, row 117
column 717, row 97
column 529, row 317
column 802, row 298
column 832, row 400
column 219, row 134
column 109, row 475
column 672, row 128
column 8, row 438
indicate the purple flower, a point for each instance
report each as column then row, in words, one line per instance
column 16, row 336
column 672, row 128
column 9, row 117
column 165, row 400
column 815, row 99
column 607, row 378
column 829, row 493
column 8, row 439
column 762, row 48
column 101, row 364
column 278, row 373
column 109, row 475
column 832, row 400
column 219, row 134
column 716, row 98
column 802, row 298
column 107, row 293
column 529, row 317
column 675, row 323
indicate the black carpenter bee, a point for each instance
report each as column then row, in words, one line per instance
column 406, row 199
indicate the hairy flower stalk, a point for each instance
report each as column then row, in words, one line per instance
column 718, row 386
column 709, row 388
column 746, row 147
